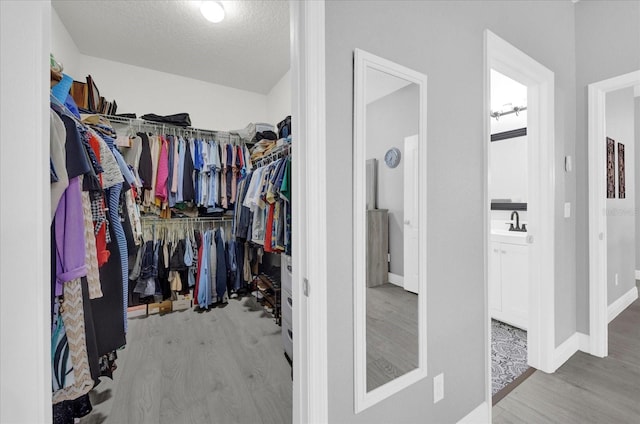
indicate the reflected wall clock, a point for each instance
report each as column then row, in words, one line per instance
column 392, row 157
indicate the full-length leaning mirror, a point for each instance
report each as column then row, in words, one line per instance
column 390, row 211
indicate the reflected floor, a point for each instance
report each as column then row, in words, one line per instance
column 392, row 333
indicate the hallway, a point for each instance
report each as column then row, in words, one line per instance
column 585, row 389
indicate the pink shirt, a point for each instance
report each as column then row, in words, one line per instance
column 163, row 171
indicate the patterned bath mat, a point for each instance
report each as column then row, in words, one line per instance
column 508, row 354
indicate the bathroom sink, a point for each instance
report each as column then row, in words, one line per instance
column 501, row 232
column 506, row 236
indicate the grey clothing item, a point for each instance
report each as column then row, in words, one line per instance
column 137, row 266
column 133, row 153
column 213, row 266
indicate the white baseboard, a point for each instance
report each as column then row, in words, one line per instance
column 576, row 342
column 622, row 303
column 637, row 274
column 566, row 351
column 396, row 279
column 480, row 415
column 584, row 342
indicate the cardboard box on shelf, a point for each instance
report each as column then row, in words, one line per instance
column 181, row 304
column 184, row 296
column 153, row 308
column 165, row 307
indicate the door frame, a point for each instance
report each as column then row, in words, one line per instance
column 598, row 302
column 310, row 371
column 411, row 202
column 512, row 62
column 25, row 331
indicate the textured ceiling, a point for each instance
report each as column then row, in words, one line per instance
column 249, row 50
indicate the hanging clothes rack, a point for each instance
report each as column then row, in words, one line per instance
column 279, row 152
column 175, row 129
column 179, row 221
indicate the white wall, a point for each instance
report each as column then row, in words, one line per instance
column 279, row 100
column 599, row 26
column 508, row 171
column 25, row 325
column 444, row 40
column 619, row 123
column 142, row 90
column 63, row 47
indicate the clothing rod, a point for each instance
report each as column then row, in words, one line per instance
column 172, row 221
column 269, row 157
column 137, row 121
column 515, row 110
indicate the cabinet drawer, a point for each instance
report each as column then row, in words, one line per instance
column 285, row 273
column 287, row 307
column 287, row 338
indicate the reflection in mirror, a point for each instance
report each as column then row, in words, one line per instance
column 390, row 226
column 392, row 307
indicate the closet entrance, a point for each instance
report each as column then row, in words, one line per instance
column 519, row 224
column 203, row 236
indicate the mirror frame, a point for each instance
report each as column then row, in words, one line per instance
column 363, row 399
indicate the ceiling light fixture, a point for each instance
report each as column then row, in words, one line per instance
column 212, row 11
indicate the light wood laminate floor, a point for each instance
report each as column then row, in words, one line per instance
column 585, row 389
column 392, row 333
column 222, row 366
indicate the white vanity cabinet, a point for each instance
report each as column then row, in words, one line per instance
column 509, row 279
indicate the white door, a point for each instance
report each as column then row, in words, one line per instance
column 411, row 194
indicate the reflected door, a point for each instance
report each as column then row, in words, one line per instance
column 411, row 227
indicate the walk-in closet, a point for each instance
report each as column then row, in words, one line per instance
column 171, row 212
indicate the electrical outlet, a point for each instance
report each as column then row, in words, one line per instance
column 438, row 388
column 616, row 279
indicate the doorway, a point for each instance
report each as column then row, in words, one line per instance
column 307, row 51
column 538, row 243
column 602, row 194
column 508, row 269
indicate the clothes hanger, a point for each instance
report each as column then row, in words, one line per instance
column 55, row 101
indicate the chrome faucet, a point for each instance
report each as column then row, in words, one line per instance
column 517, row 227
